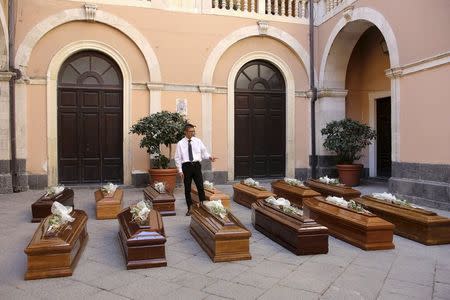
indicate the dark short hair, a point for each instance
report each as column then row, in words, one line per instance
column 188, row 126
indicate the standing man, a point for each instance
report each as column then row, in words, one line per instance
column 188, row 155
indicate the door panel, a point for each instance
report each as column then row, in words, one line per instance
column 384, row 160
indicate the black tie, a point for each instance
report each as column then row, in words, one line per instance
column 191, row 156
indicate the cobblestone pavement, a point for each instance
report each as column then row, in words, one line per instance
column 409, row 271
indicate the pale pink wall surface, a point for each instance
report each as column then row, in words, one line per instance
column 424, row 117
column 302, row 130
column 139, row 109
column 220, row 132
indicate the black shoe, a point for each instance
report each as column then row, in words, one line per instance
column 188, row 212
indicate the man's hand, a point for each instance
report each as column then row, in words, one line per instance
column 181, row 175
column 212, row 158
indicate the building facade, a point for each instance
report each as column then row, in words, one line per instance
column 240, row 70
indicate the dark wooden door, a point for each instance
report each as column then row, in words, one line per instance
column 260, row 126
column 90, row 120
column 384, row 150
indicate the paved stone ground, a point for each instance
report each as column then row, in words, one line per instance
column 410, row 271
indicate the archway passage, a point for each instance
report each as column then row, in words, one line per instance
column 90, row 119
column 260, row 121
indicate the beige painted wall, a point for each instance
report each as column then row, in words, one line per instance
column 139, row 109
column 424, row 116
column 37, row 129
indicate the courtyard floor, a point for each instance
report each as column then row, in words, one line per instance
column 410, row 271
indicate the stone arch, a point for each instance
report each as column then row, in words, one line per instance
column 78, row 14
column 52, row 77
column 290, row 107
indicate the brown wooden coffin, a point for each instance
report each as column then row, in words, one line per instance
column 43, row 206
column 417, row 224
column 162, row 202
column 295, row 194
column 247, row 195
column 363, row 230
column 211, row 194
column 298, row 234
column 108, row 206
column 343, row 191
column 222, row 239
column 143, row 246
column 56, row 256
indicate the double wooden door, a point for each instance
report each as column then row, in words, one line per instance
column 90, row 120
column 260, row 118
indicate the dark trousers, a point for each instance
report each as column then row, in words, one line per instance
column 193, row 171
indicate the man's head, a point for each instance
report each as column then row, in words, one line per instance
column 189, row 131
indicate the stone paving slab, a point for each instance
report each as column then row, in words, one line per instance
column 409, row 271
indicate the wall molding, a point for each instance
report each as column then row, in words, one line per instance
column 419, row 66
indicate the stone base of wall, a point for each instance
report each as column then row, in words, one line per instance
column 423, row 184
column 5, row 184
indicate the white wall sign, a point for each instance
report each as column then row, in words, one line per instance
column 182, row 106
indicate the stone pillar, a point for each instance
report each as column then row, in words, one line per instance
column 5, row 145
column 21, row 134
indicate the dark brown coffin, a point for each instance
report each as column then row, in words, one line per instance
column 417, row 224
column 222, row 240
column 295, row 194
column 211, row 194
column 298, row 234
column 43, row 206
column 247, row 195
column 143, row 246
column 343, row 191
column 107, row 207
column 56, row 256
column 162, row 202
column 363, row 230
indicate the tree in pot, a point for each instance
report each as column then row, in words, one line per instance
column 161, row 128
column 348, row 138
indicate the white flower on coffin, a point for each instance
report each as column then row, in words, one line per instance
column 216, row 207
column 251, row 182
column 293, row 181
column 109, row 188
column 160, row 187
column 60, row 216
column 140, row 212
column 284, row 204
column 208, row 185
column 344, row 203
column 55, row 190
column 327, row 180
column 388, row 197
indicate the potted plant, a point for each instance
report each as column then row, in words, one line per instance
column 161, row 128
column 348, row 138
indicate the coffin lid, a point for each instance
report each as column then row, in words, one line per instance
column 250, row 190
column 66, row 193
column 155, row 195
column 300, row 190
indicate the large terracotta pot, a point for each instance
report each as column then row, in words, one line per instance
column 168, row 176
column 349, row 174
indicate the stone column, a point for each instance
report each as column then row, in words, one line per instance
column 5, row 145
column 21, row 135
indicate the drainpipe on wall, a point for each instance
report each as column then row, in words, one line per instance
column 313, row 90
column 12, row 95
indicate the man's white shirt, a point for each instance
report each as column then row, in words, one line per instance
column 199, row 151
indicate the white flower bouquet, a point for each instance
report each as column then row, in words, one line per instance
column 252, row 182
column 160, row 187
column 293, row 181
column 389, row 198
column 139, row 213
column 284, row 205
column 216, row 208
column 208, row 185
column 332, row 181
column 344, row 203
column 60, row 216
column 54, row 190
column 109, row 189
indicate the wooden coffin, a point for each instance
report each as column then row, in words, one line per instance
column 56, row 256
column 295, row 194
column 343, row 191
column 211, row 194
column 108, row 206
column 142, row 246
column 296, row 233
column 162, row 202
column 417, row 224
column 222, row 239
column 247, row 195
column 363, row 230
column 43, row 206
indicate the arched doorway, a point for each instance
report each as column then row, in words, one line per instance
column 260, row 121
column 90, row 118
